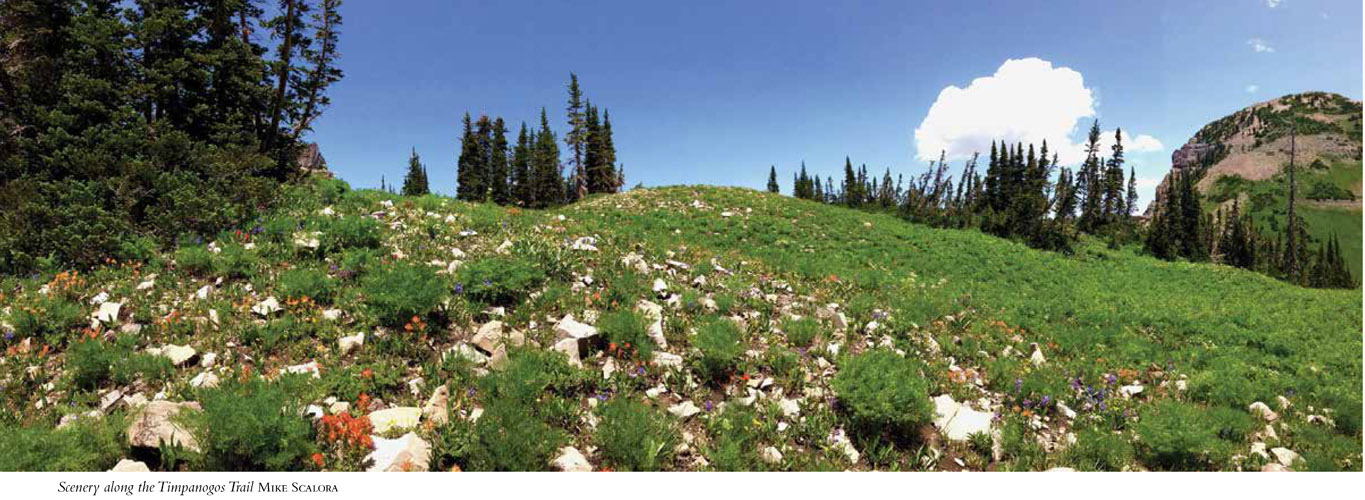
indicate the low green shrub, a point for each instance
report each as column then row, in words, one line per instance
column 350, row 232
column 235, row 261
column 634, row 437
column 719, row 341
column 92, row 362
column 1099, row 450
column 499, row 281
column 195, row 259
column 735, row 438
column 629, row 331
column 306, row 282
column 882, row 392
column 396, row 293
column 88, row 444
column 1176, row 436
column 800, row 332
column 539, row 381
column 510, row 438
column 254, row 425
column 52, row 319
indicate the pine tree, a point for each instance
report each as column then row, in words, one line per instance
column 613, row 177
column 772, row 179
column 469, row 173
column 1090, row 190
column 1293, row 245
column 1132, row 198
column 577, row 137
column 499, row 190
column 549, row 188
column 851, row 188
column 415, row 182
column 523, row 184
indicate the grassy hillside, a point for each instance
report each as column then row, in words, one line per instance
column 795, row 336
column 1329, row 197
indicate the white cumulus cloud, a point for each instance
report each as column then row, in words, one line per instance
column 1251, row 89
column 1260, row 45
column 1026, row 101
column 1272, row 3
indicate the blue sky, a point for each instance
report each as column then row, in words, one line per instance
column 713, row 92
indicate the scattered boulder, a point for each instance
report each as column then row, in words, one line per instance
column 839, row 440
column 570, row 347
column 351, row 343
column 571, row 460
column 1036, row 358
column 1284, row 456
column 567, row 327
column 156, row 424
column 669, row 360
column 1262, row 410
column 108, row 312
column 204, row 380
column 489, row 336
column 178, row 354
column 309, row 368
column 126, row 465
column 408, row 453
column 771, row 455
column 684, row 410
column 957, row 421
column 437, row 409
column 1275, row 467
column 266, row 307
column 402, row 417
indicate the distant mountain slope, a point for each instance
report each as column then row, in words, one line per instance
column 1243, row 156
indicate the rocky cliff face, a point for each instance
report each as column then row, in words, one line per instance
column 1253, row 143
column 310, row 160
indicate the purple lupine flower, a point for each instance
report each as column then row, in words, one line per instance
column 9, row 335
column 1043, row 403
column 487, row 283
column 708, row 406
column 640, row 370
column 1109, row 378
column 470, row 392
column 459, row 289
column 601, row 397
column 1028, row 403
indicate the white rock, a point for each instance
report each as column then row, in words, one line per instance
column 1061, row 469
column 203, row 292
column 402, row 417
column 727, row 213
column 126, row 465
column 1262, row 410
column 350, row 344
column 307, row 239
column 1066, row 411
column 468, row 352
column 1129, row 391
column 308, row 368
column 668, row 360
column 567, row 327
column 570, row 460
column 146, row 285
column 205, row 380
column 771, row 455
column 489, row 336
column 1275, row 467
column 407, row 453
column 100, row 298
column 158, row 423
column 1285, row 456
column 839, row 440
column 958, row 422
column 569, row 346
column 1036, row 358
column 331, row 314
column 1259, row 449
column 659, row 286
column 684, row 410
column 790, row 407
column 208, row 360
column 108, row 312
column 505, row 247
column 437, row 409
column 266, row 307
column 178, row 354
column 1282, row 402
column 585, row 244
